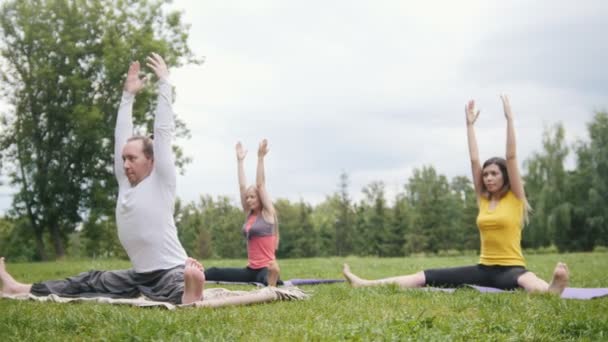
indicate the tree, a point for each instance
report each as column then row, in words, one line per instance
column 374, row 234
column 344, row 222
column 586, row 191
column 434, row 209
column 597, row 218
column 62, row 71
column 289, row 226
column 545, row 184
column 13, row 245
column 324, row 217
column 465, row 228
column 401, row 222
column 305, row 239
column 194, row 236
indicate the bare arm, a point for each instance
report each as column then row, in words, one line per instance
column 517, row 185
column 260, row 180
column 240, row 156
column 124, row 119
column 471, row 117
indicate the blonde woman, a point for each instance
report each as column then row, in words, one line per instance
column 260, row 228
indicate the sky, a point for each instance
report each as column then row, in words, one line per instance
column 377, row 89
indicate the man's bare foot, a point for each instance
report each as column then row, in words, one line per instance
column 9, row 285
column 351, row 278
column 194, row 281
column 560, row 279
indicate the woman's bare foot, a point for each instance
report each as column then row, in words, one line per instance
column 194, row 281
column 351, row 278
column 560, row 279
column 9, row 285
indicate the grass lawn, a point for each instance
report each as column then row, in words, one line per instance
column 334, row 312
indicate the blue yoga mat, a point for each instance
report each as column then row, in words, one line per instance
column 569, row 292
column 290, row 282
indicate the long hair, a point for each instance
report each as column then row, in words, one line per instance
column 274, row 214
column 506, row 186
column 502, row 165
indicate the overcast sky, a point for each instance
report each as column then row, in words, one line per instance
column 378, row 88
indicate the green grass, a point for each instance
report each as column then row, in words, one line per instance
column 334, row 312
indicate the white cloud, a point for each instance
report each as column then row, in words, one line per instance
column 378, row 88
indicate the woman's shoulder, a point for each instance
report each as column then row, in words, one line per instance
column 510, row 197
column 268, row 216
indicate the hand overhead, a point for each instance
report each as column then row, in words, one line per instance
column 156, row 63
column 469, row 110
column 506, row 105
column 263, row 149
column 240, row 152
column 134, row 83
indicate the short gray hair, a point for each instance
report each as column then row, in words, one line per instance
column 148, row 145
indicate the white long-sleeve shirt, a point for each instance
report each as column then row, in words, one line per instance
column 144, row 213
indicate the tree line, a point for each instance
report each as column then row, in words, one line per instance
column 63, row 63
column 432, row 214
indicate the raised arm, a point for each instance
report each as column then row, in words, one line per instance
column 124, row 120
column 517, row 185
column 260, row 179
column 471, row 116
column 164, row 125
column 240, row 156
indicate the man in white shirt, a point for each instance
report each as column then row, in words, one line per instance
column 146, row 175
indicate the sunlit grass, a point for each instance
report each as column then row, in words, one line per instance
column 334, row 312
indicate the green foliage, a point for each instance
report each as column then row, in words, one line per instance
column 436, row 211
column 569, row 206
column 324, row 217
column 545, row 182
column 298, row 236
column 333, row 313
column 211, row 228
column 63, row 66
column 344, row 234
column 63, row 63
column 465, row 235
column 594, row 163
column 15, row 242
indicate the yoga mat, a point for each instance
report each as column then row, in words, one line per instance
column 312, row 281
column 569, row 292
column 290, row 282
column 214, row 298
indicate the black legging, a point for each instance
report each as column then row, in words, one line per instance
column 242, row 275
column 501, row 277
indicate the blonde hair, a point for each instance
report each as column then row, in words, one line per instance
column 274, row 213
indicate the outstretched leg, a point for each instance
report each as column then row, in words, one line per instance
column 406, row 281
column 194, row 281
column 531, row 283
column 9, row 285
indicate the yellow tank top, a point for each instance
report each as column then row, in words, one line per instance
column 500, row 231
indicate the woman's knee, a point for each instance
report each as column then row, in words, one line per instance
column 211, row 272
column 274, row 267
column 420, row 278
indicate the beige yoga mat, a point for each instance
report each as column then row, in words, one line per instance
column 215, row 297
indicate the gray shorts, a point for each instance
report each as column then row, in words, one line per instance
column 161, row 285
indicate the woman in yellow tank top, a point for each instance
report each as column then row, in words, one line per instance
column 503, row 211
